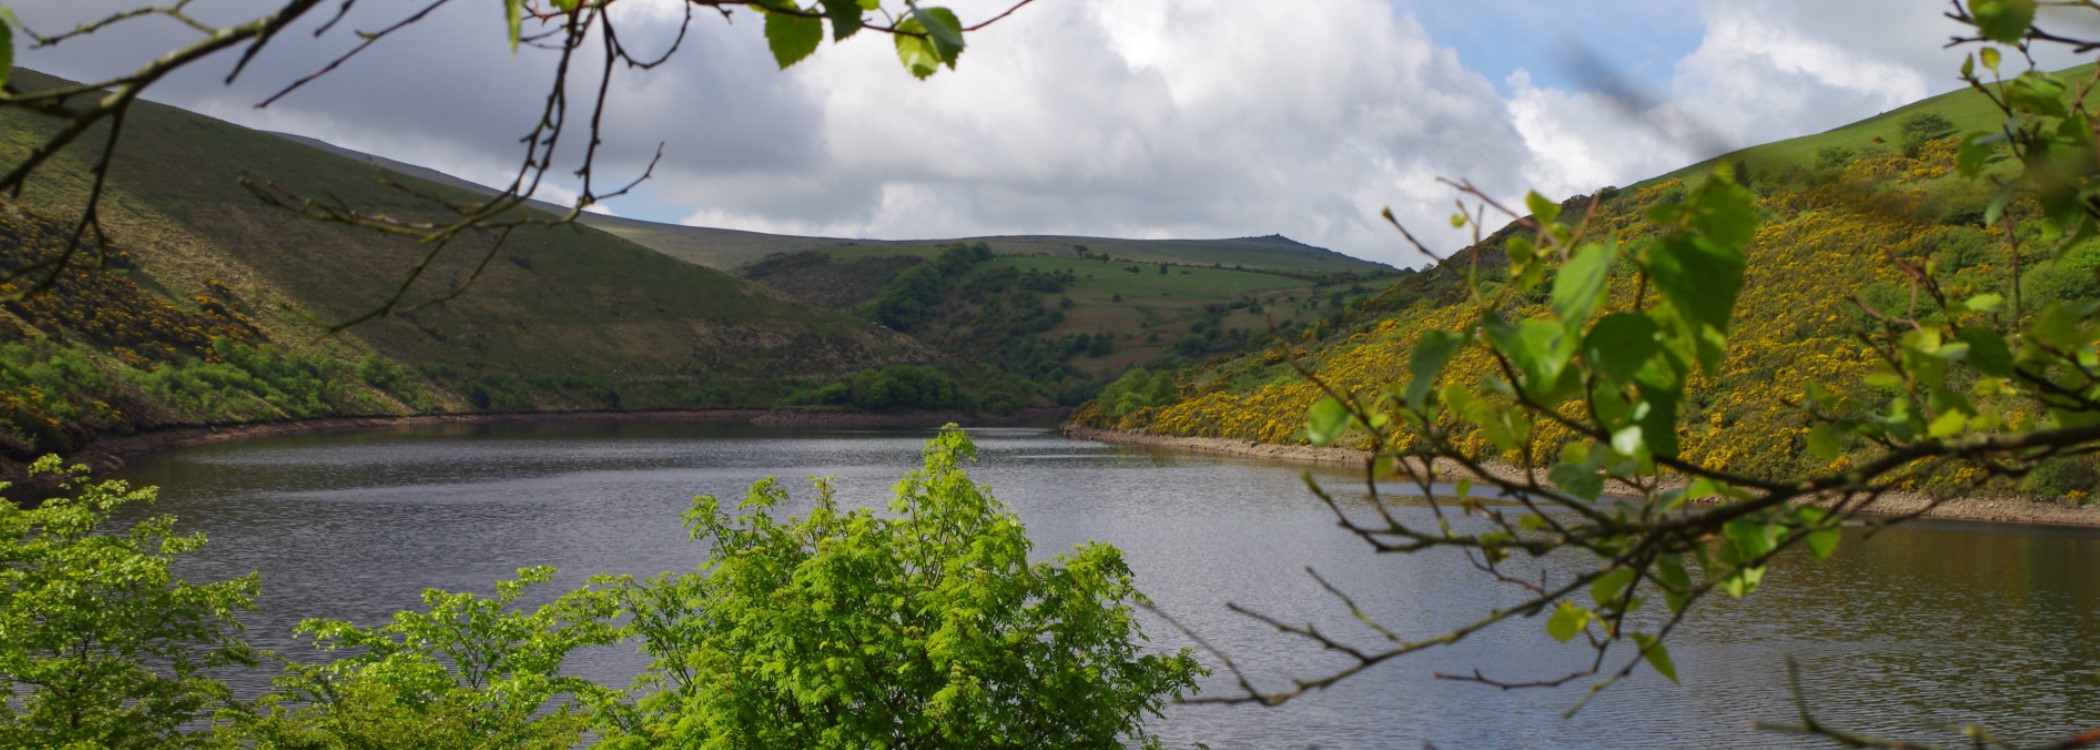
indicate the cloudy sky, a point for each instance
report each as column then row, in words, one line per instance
column 1134, row 118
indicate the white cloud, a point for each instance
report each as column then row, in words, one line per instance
column 1110, row 117
column 1142, row 119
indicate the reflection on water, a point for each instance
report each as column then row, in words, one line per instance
column 1918, row 629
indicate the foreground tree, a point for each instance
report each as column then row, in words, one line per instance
column 928, row 628
column 100, row 644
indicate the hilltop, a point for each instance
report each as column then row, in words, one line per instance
column 729, row 249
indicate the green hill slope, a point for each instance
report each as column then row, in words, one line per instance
column 1831, row 218
column 561, row 318
column 1116, row 308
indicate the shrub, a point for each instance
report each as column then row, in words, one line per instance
column 924, row 628
column 100, row 645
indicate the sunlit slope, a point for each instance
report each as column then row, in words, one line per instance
column 1829, row 226
column 569, row 302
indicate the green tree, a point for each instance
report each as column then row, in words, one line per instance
column 924, row 628
column 1921, row 128
column 101, row 645
column 470, row 672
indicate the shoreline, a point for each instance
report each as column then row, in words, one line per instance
column 2008, row 511
column 107, row 454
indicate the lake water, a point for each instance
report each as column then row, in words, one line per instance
column 1916, row 630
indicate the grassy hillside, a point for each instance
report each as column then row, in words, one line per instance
column 1065, row 321
column 1964, row 110
column 1826, row 227
column 1117, row 309
column 562, row 318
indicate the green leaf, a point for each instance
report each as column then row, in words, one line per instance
column 1581, row 282
column 2058, row 325
column 1976, row 151
column 1724, row 211
column 1823, row 542
column 1326, row 421
column 792, row 37
column 1701, row 280
column 1567, row 621
column 1987, row 351
column 2002, row 21
column 1659, row 422
column 1427, row 362
column 514, row 19
column 1606, row 589
column 1543, row 210
column 1669, row 569
column 1823, row 441
column 1657, row 655
column 1990, row 58
column 1578, row 479
column 845, row 18
column 944, row 29
column 1948, row 424
column 916, row 52
column 2037, row 93
column 1677, row 584
column 1620, row 344
column 1540, row 350
column 1752, row 538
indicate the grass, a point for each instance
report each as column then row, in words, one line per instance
column 562, row 302
column 1967, row 109
column 1137, row 307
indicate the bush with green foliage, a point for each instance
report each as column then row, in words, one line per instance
column 101, row 645
column 925, row 628
column 471, row 672
column 1138, row 388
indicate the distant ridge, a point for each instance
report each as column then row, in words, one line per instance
column 728, row 249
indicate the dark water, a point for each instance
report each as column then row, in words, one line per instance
column 1906, row 634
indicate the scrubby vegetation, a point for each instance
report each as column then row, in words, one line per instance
column 1821, row 275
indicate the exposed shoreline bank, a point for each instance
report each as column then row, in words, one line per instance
column 112, row 453
column 2013, row 511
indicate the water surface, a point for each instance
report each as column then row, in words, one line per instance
column 1913, row 631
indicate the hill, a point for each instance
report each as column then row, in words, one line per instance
column 560, row 318
column 728, row 249
column 1835, row 207
column 1098, row 305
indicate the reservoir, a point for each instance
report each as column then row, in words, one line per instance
column 1917, row 630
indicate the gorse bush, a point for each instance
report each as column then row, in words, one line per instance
column 926, row 626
